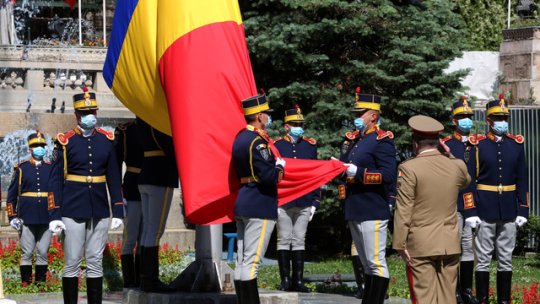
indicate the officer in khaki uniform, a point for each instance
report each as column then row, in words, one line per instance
column 427, row 234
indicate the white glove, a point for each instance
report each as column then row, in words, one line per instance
column 56, row 226
column 520, row 221
column 116, row 223
column 16, row 224
column 472, row 221
column 280, row 162
column 280, row 211
column 312, row 213
column 351, row 170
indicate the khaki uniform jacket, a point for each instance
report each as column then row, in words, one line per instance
column 425, row 221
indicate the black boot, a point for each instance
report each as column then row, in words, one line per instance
column 41, row 273
column 465, row 282
column 367, row 289
column 379, row 286
column 26, row 274
column 70, row 290
column 128, row 270
column 504, row 287
column 250, row 293
column 298, row 271
column 284, row 262
column 94, row 290
column 150, row 272
column 482, row 287
column 358, row 275
column 137, row 270
column 238, row 290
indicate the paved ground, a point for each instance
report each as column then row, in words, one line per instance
column 110, row 298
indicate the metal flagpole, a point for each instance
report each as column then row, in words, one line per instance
column 104, row 23
column 508, row 18
column 80, row 23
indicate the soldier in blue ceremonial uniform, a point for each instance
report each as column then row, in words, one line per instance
column 27, row 208
column 462, row 145
column 370, row 156
column 84, row 167
column 255, row 208
column 293, row 217
column 501, row 202
column 157, row 180
column 130, row 151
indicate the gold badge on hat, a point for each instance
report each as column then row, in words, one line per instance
column 501, row 102
column 465, row 103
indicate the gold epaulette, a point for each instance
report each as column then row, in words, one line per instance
column 108, row 134
column 447, row 138
column 473, row 139
column 310, row 140
column 277, row 139
column 480, row 137
column 63, row 138
column 383, row 134
column 518, row 138
column 352, row 135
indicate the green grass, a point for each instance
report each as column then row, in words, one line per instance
column 526, row 272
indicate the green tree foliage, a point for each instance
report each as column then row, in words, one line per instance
column 485, row 20
column 315, row 53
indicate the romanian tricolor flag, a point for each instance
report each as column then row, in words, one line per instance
column 183, row 67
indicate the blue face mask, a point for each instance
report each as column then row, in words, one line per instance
column 465, row 124
column 269, row 122
column 297, row 131
column 500, row 127
column 88, row 121
column 38, row 152
column 359, row 123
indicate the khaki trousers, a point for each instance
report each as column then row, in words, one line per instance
column 433, row 280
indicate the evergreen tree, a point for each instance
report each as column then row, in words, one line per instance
column 315, row 53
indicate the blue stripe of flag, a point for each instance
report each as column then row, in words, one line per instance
column 122, row 17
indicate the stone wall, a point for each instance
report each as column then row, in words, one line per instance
column 520, row 65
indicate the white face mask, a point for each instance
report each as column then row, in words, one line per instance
column 88, row 121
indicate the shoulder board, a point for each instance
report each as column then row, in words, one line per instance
column 278, row 139
column 383, row 134
column 47, row 162
column 63, row 138
column 518, row 138
column 480, row 137
column 310, row 140
column 352, row 135
column 19, row 164
column 447, row 138
column 108, row 134
column 473, row 139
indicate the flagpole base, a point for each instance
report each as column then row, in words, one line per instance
column 208, row 273
column 205, row 276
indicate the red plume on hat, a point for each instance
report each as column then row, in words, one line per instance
column 297, row 107
column 357, row 93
